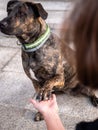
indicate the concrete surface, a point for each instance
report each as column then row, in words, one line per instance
column 16, row 113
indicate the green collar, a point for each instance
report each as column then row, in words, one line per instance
column 30, row 47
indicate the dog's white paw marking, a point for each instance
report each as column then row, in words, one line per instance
column 32, row 74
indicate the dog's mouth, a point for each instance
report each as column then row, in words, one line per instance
column 5, row 31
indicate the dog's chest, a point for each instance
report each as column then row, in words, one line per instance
column 43, row 62
column 47, row 60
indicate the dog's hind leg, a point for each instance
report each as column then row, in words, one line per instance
column 87, row 91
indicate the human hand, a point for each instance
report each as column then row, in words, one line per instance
column 46, row 106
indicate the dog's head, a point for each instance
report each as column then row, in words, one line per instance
column 22, row 17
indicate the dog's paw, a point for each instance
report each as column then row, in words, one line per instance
column 38, row 117
column 44, row 95
column 39, row 96
column 94, row 101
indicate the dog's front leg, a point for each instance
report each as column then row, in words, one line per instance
column 38, row 116
column 45, row 92
column 35, row 83
column 57, row 82
column 28, row 71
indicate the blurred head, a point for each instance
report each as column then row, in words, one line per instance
column 83, row 29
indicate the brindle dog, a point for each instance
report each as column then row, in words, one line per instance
column 41, row 51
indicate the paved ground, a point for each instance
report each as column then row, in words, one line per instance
column 16, row 113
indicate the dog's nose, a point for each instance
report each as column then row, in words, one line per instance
column 3, row 24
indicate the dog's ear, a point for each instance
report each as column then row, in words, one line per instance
column 10, row 5
column 38, row 10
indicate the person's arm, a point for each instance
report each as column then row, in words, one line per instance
column 49, row 111
column 53, row 121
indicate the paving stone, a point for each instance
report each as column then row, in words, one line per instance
column 56, row 5
column 8, row 41
column 15, row 65
column 15, row 88
column 9, row 117
column 6, row 54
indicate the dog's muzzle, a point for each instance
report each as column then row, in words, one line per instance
column 4, row 27
column 3, row 24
